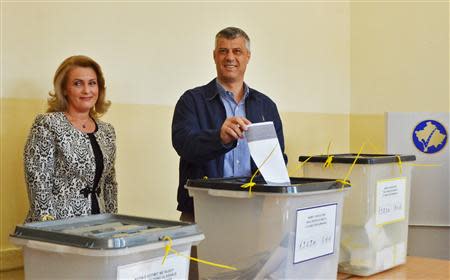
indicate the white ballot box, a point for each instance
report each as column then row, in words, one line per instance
column 375, row 220
column 105, row 246
column 281, row 231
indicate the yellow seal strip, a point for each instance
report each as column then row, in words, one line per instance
column 168, row 249
column 405, row 163
column 251, row 184
column 329, row 147
column 345, row 180
column 374, row 147
column 400, row 164
column 301, row 165
column 327, row 163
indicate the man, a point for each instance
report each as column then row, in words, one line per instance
column 209, row 121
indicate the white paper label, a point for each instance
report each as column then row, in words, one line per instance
column 315, row 232
column 390, row 203
column 175, row 267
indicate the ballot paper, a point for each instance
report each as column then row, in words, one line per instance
column 266, row 152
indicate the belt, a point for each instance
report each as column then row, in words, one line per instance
column 88, row 190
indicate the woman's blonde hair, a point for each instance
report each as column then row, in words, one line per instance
column 57, row 102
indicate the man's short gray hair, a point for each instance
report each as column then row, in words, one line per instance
column 231, row 33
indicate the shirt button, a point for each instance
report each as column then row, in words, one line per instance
column 237, row 161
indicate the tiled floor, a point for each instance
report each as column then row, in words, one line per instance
column 12, row 275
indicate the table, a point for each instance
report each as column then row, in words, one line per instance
column 415, row 268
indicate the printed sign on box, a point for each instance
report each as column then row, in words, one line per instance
column 315, row 232
column 390, row 203
column 174, row 267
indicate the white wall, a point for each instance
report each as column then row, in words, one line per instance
column 152, row 52
column 399, row 57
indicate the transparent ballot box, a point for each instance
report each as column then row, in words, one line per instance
column 375, row 219
column 105, row 246
column 278, row 232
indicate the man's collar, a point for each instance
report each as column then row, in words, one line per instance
column 220, row 89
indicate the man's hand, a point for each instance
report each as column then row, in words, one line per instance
column 232, row 129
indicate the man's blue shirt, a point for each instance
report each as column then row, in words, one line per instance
column 236, row 161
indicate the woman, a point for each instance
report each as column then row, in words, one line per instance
column 69, row 156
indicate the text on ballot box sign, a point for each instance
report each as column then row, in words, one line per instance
column 174, row 267
column 315, row 232
column 390, row 201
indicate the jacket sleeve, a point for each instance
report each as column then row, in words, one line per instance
column 110, row 185
column 191, row 142
column 39, row 170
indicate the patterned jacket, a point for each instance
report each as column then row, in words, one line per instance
column 60, row 162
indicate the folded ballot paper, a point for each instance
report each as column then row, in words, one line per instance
column 266, row 152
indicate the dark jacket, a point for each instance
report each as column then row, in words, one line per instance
column 198, row 117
